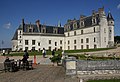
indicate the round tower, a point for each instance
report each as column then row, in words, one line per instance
column 110, row 29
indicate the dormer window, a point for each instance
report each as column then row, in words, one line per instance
column 82, row 23
column 94, row 21
column 75, row 26
column 30, row 30
column 55, row 30
column 43, row 30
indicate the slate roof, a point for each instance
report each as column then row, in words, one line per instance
column 15, row 37
column 49, row 30
column 109, row 17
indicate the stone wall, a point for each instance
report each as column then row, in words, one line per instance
column 91, row 67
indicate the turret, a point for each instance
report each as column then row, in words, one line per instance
column 111, row 29
column 110, row 19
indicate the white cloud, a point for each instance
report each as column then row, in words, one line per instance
column 118, row 6
column 7, row 25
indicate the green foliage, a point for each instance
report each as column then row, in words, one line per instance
column 56, row 59
column 117, row 39
column 83, row 57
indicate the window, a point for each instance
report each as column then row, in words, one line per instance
column 104, row 30
column 87, row 40
column 81, row 40
column 20, row 36
column 49, row 41
column 43, row 30
column 20, row 41
column 60, row 47
column 30, row 30
column 74, row 41
column 82, row 23
column 87, row 46
column 105, row 39
column 74, row 47
column 81, row 46
column 68, row 42
column 94, row 29
column 26, row 42
column 94, row 39
column 33, row 42
column 55, row 32
column 20, row 32
column 74, row 32
column 81, row 31
column 26, row 48
column 33, row 48
column 55, row 43
column 38, row 43
column 68, row 47
column 110, row 31
column 95, row 46
column 68, row 34
column 75, row 26
column 49, row 48
column 60, row 41
column 94, row 21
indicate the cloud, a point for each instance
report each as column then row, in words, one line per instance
column 7, row 25
column 118, row 7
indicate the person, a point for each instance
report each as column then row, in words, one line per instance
column 3, row 52
column 44, row 52
column 26, row 54
column 53, row 53
column 25, row 59
column 7, row 59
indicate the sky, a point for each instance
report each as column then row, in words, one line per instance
column 49, row 12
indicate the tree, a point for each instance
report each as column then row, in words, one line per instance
column 117, row 39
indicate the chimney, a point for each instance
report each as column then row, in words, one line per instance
column 22, row 21
column 38, row 23
column 23, row 24
column 101, row 11
column 82, row 17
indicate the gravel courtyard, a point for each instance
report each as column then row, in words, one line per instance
column 40, row 73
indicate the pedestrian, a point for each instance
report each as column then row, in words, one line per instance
column 44, row 52
column 26, row 55
column 53, row 53
column 3, row 52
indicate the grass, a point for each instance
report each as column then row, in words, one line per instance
column 58, row 52
column 33, row 53
column 87, row 50
column 110, row 80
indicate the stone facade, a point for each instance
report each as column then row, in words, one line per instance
column 95, row 31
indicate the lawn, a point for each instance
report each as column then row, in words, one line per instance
column 110, row 80
column 32, row 53
column 86, row 50
column 58, row 52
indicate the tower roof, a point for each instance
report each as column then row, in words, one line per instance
column 109, row 17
